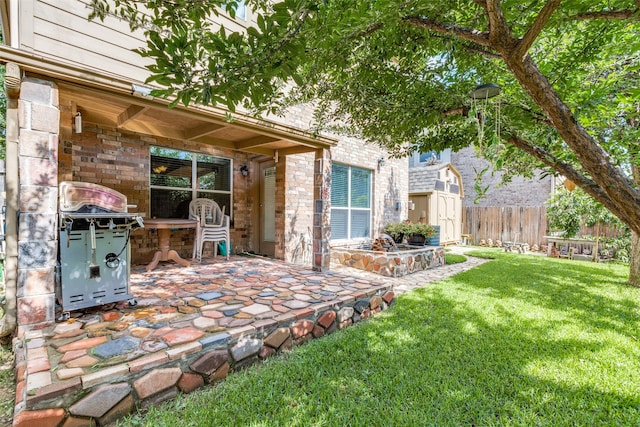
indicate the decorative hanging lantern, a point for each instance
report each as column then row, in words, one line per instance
column 480, row 96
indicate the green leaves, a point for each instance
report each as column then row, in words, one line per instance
column 399, row 73
column 568, row 210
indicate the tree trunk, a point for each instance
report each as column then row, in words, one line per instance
column 634, row 266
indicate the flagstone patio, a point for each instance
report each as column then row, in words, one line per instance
column 191, row 326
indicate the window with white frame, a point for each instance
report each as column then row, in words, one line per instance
column 350, row 202
column 177, row 177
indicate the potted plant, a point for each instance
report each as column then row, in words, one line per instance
column 419, row 234
column 397, row 230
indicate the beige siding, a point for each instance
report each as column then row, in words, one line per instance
column 59, row 30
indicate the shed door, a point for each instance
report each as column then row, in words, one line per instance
column 447, row 216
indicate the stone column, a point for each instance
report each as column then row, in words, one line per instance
column 39, row 125
column 280, row 202
column 321, row 210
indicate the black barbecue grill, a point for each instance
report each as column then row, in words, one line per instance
column 94, row 251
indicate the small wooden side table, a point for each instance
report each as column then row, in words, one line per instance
column 164, row 226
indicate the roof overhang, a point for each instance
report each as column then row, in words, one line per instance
column 110, row 101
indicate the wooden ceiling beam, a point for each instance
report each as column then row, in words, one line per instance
column 295, row 150
column 130, row 114
column 257, row 141
column 262, row 151
column 202, row 130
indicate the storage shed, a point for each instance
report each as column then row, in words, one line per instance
column 435, row 198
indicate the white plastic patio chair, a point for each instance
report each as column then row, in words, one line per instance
column 213, row 226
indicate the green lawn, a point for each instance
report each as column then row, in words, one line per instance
column 521, row 340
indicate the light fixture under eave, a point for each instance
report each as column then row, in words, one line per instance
column 485, row 91
column 140, row 90
column 77, row 122
column 244, row 170
column 381, row 162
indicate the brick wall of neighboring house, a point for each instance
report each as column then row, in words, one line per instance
column 520, row 192
column 120, row 160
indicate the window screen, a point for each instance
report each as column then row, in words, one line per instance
column 350, row 202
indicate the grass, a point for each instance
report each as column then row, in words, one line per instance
column 454, row 258
column 7, row 384
column 518, row 341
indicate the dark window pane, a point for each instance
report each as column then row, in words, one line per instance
column 223, row 200
column 170, row 203
column 214, row 173
column 175, row 169
column 170, row 168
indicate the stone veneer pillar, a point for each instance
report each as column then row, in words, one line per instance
column 321, row 210
column 39, row 125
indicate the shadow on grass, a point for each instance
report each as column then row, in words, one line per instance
column 486, row 347
column 595, row 294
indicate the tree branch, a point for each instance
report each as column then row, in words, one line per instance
column 568, row 171
column 538, row 24
column 607, row 14
column 459, row 111
column 499, row 32
column 481, row 3
column 474, row 36
column 481, row 51
column 372, row 29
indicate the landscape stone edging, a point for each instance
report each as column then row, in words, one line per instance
column 50, row 405
column 389, row 264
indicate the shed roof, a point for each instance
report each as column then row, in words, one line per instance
column 422, row 179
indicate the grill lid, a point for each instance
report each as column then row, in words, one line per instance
column 78, row 196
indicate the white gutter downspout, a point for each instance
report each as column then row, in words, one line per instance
column 14, row 11
column 12, row 87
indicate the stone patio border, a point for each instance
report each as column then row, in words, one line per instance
column 101, row 397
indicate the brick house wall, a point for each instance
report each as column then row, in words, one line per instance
column 390, row 186
column 390, row 181
column 520, row 192
column 121, row 160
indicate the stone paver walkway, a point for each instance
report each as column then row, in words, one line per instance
column 192, row 326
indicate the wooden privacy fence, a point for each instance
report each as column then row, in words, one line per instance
column 524, row 224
